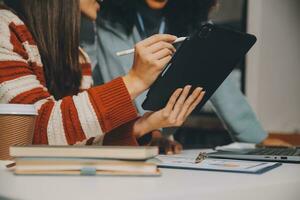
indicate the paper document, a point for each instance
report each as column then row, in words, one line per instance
column 179, row 161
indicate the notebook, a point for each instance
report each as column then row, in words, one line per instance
column 84, row 160
column 83, row 166
column 103, row 152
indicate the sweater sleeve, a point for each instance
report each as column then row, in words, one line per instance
column 93, row 112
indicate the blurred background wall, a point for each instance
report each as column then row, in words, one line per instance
column 273, row 65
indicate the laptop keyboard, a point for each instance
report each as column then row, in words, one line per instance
column 275, row 152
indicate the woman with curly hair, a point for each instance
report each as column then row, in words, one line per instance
column 123, row 23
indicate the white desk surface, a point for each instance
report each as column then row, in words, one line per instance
column 282, row 183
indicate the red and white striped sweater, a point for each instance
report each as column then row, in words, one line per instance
column 94, row 112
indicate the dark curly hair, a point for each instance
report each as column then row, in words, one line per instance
column 182, row 16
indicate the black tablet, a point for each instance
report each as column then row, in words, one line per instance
column 204, row 60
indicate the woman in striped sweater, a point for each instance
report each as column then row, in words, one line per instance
column 41, row 64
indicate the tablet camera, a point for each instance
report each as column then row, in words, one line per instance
column 205, row 31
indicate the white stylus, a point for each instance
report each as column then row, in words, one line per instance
column 129, row 51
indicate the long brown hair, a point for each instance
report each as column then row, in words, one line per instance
column 54, row 25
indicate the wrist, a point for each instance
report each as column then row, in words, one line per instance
column 134, row 85
column 141, row 127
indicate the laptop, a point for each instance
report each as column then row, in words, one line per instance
column 278, row 154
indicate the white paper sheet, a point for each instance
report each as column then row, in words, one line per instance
column 179, row 161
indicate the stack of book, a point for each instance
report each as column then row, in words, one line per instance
column 84, row 160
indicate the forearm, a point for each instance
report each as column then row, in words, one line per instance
column 134, row 86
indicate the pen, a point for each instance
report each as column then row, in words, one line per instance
column 129, row 51
column 11, row 165
column 201, row 156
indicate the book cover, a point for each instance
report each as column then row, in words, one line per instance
column 108, row 152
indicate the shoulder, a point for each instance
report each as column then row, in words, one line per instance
column 7, row 17
column 10, row 24
column 16, row 41
column 10, row 46
column 112, row 29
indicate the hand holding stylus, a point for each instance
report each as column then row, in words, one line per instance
column 150, row 57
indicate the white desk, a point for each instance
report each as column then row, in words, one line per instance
column 282, row 183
